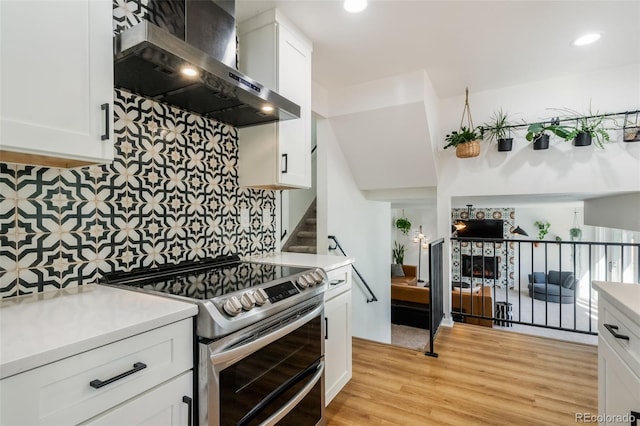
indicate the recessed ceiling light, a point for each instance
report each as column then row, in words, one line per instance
column 587, row 39
column 189, row 71
column 267, row 108
column 355, row 6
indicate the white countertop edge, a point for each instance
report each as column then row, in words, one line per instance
column 624, row 296
column 26, row 358
column 326, row 262
column 17, row 366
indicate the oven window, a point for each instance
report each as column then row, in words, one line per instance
column 261, row 376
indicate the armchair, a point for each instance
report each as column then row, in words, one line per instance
column 555, row 286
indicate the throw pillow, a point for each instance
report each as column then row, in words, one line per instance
column 396, row 270
column 568, row 281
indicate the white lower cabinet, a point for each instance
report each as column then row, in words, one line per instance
column 337, row 311
column 620, row 388
column 154, row 366
column 170, row 404
column 618, row 366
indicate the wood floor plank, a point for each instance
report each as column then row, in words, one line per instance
column 483, row 376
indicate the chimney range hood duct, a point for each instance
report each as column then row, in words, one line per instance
column 199, row 34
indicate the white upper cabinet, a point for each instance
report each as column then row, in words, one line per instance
column 56, row 80
column 277, row 155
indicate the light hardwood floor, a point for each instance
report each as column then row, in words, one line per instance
column 483, row 376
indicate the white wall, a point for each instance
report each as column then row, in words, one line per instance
column 362, row 227
column 626, row 215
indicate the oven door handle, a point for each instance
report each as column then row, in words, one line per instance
column 293, row 402
column 225, row 355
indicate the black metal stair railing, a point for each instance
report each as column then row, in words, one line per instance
column 371, row 297
column 497, row 281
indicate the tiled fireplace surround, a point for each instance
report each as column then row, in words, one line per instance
column 171, row 194
column 489, row 250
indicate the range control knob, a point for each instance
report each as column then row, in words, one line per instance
column 317, row 276
column 260, row 297
column 310, row 281
column 232, row 306
column 302, row 282
column 247, row 301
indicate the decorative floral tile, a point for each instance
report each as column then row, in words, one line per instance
column 39, row 279
column 35, row 183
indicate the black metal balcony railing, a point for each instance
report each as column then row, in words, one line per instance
column 537, row 283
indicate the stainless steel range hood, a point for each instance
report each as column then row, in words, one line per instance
column 150, row 59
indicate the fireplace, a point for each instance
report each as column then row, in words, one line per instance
column 486, row 266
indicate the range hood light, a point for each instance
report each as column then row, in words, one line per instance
column 189, row 71
column 267, row 108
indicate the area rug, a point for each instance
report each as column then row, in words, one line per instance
column 409, row 337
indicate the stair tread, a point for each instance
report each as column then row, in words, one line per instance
column 306, row 234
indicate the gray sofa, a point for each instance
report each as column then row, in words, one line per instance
column 555, row 286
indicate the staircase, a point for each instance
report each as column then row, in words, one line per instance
column 303, row 238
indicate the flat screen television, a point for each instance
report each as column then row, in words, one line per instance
column 485, row 228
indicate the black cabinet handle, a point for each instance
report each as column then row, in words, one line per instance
column 189, row 403
column 336, row 282
column 105, row 107
column 612, row 329
column 326, row 328
column 286, row 162
column 97, row 384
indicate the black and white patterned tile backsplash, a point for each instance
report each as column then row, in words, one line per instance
column 171, row 194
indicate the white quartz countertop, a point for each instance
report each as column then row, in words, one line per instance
column 39, row 329
column 625, row 297
column 326, row 262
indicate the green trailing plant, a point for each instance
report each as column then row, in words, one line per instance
column 543, row 228
column 456, row 138
column 403, row 225
column 497, row 128
column 592, row 126
column 538, row 129
column 398, row 253
column 575, row 233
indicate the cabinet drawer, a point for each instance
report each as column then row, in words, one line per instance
column 339, row 281
column 61, row 393
column 170, row 404
column 628, row 350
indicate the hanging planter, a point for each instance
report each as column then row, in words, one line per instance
column 497, row 129
column 582, row 139
column 467, row 139
column 541, row 142
column 539, row 133
column 631, row 128
column 468, row 149
column 505, row 144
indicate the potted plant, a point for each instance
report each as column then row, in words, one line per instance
column 575, row 234
column 539, row 134
column 543, row 229
column 403, row 225
column 398, row 253
column 589, row 129
column 498, row 129
column 466, row 141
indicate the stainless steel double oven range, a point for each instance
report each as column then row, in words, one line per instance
column 260, row 342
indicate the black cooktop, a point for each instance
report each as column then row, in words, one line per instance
column 201, row 279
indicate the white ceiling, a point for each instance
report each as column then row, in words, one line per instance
column 480, row 44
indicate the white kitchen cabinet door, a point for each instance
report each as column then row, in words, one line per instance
column 276, row 155
column 338, row 369
column 170, row 404
column 56, row 82
column 618, row 386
